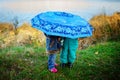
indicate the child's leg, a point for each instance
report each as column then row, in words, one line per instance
column 51, row 61
column 54, row 59
column 72, row 50
column 64, row 52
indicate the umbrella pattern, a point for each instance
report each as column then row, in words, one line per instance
column 62, row 24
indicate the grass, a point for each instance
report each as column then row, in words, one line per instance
column 98, row 62
column 106, row 27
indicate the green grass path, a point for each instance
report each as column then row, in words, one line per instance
column 98, row 62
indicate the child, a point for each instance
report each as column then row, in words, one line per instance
column 53, row 46
column 68, row 53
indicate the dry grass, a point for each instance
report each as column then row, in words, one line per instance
column 106, row 27
column 24, row 34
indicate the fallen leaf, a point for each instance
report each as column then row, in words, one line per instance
column 96, row 52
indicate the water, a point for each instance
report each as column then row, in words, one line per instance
column 24, row 10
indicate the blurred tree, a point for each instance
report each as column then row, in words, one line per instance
column 15, row 24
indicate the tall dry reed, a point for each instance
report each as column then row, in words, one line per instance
column 106, row 27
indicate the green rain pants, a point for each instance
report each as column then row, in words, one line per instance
column 68, row 52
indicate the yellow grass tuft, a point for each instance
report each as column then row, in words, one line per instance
column 24, row 34
column 106, row 27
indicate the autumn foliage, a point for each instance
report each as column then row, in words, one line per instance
column 24, row 34
column 105, row 28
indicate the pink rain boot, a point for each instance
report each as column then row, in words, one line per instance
column 53, row 70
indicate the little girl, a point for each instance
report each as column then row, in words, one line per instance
column 53, row 46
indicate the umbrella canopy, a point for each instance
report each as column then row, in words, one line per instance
column 62, row 24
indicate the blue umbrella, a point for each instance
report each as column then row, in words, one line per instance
column 62, row 24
